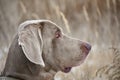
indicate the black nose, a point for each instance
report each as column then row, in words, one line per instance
column 86, row 47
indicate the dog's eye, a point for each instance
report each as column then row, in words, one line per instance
column 57, row 34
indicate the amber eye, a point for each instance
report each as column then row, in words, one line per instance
column 57, row 34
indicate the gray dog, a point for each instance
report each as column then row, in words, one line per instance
column 40, row 49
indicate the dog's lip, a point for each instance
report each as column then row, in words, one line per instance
column 80, row 61
column 68, row 69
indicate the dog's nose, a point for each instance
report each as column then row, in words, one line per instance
column 86, row 47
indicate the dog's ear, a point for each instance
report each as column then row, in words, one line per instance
column 31, row 41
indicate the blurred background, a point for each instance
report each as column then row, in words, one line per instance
column 94, row 21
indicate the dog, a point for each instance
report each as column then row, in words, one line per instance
column 40, row 49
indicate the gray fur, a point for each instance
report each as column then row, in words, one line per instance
column 58, row 54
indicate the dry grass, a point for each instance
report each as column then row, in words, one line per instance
column 111, row 71
column 95, row 21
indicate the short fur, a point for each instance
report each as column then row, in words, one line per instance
column 36, row 52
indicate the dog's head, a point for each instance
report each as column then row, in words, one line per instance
column 43, row 42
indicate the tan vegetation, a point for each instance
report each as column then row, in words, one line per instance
column 95, row 21
column 111, row 71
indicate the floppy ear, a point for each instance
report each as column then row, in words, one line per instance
column 31, row 41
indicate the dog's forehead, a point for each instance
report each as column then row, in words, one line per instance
column 29, row 22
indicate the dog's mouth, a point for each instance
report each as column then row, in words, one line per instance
column 68, row 69
column 77, row 62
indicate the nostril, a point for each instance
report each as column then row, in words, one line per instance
column 88, row 46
